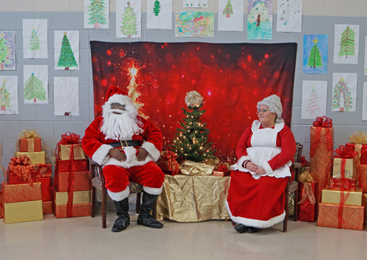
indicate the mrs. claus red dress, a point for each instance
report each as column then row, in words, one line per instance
column 259, row 200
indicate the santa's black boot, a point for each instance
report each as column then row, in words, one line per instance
column 144, row 217
column 122, row 211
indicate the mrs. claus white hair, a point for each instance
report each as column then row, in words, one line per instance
column 274, row 105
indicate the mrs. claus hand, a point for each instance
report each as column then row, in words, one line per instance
column 117, row 154
column 142, row 155
column 251, row 166
column 260, row 171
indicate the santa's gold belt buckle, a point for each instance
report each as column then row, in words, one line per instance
column 122, row 145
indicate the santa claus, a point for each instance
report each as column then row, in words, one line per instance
column 126, row 145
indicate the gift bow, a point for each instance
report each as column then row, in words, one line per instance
column 323, row 121
column 222, row 167
column 70, row 138
column 29, row 133
column 307, row 193
column 345, row 152
column 172, row 163
column 22, row 167
column 358, row 137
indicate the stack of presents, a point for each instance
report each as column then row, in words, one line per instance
column 29, row 190
column 333, row 189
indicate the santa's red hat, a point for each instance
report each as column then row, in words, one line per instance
column 116, row 95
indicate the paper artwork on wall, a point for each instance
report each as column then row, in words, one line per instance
column 195, row 3
column 66, row 50
column 128, row 18
column 9, row 95
column 159, row 14
column 7, row 50
column 35, row 39
column 314, row 95
column 194, row 24
column 364, row 105
column 315, row 53
column 289, row 18
column 66, row 96
column 346, row 44
column 344, row 92
column 96, row 13
column 365, row 57
column 260, row 19
column 230, row 15
column 35, row 84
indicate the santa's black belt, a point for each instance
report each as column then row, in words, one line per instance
column 125, row 143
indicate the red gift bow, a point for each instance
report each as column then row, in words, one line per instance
column 323, row 121
column 345, row 152
column 304, row 162
column 307, row 193
column 223, row 168
column 70, row 138
column 172, row 163
column 21, row 166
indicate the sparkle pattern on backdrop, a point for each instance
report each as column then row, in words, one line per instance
column 232, row 78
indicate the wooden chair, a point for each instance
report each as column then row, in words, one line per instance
column 292, row 186
column 99, row 183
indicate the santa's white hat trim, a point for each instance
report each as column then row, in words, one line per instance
column 118, row 98
column 118, row 196
column 255, row 222
column 153, row 191
column 152, row 150
column 100, row 155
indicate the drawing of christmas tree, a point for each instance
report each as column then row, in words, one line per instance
column 133, row 93
column 314, row 59
column 35, row 41
column 342, row 93
column 66, row 91
column 67, row 58
column 313, row 102
column 258, row 14
column 4, row 97
column 4, row 52
column 157, row 7
column 228, row 10
column 347, row 43
column 129, row 22
column 34, row 89
column 97, row 13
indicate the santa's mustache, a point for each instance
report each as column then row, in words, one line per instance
column 117, row 111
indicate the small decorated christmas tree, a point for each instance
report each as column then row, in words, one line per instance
column 35, row 41
column 97, row 13
column 347, row 43
column 313, row 101
column 129, row 22
column 157, row 7
column 67, row 58
column 4, row 52
column 228, row 10
column 191, row 142
column 314, row 59
column 34, row 89
column 4, row 97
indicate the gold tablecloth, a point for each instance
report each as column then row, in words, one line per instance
column 193, row 198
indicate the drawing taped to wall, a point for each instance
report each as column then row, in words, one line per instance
column 7, row 50
column 66, row 50
column 346, row 44
column 314, row 95
column 159, row 14
column 289, row 18
column 66, row 96
column 364, row 105
column 128, row 18
column 230, row 18
column 194, row 24
column 9, row 95
column 96, row 13
column 35, row 39
column 344, row 92
column 315, row 53
column 35, row 84
column 195, row 3
column 260, row 19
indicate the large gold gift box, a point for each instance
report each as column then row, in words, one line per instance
column 23, row 211
column 35, row 157
column 79, row 197
column 349, row 173
column 64, row 153
column 333, row 196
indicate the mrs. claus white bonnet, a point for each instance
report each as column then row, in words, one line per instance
column 274, row 105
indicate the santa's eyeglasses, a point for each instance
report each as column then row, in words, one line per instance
column 117, row 106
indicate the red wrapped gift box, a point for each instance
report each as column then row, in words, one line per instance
column 30, row 145
column 15, row 179
column 221, row 173
column 306, row 210
column 79, row 210
column 46, row 188
column 363, row 178
column 13, row 193
column 337, row 184
column 78, row 165
column 43, row 170
column 81, row 181
column 1, row 204
column 47, row 207
column 362, row 151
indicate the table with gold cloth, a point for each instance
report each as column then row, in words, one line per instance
column 193, row 198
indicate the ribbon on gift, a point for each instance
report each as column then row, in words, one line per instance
column 196, row 168
column 307, row 192
column 170, row 157
column 322, row 123
column 43, row 170
column 21, row 166
column 358, row 137
column 28, row 134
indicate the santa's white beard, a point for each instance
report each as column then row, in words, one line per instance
column 120, row 126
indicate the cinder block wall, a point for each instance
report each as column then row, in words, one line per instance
column 319, row 17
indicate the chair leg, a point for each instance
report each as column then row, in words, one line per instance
column 104, row 205
column 295, row 217
column 285, row 221
column 138, row 199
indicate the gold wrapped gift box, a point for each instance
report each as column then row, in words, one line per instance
column 23, row 211
column 64, row 153
column 35, row 157
column 333, row 196
column 79, row 197
column 349, row 173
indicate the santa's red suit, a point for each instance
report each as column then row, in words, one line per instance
column 259, row 200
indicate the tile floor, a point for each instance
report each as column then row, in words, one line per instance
column 84, row 238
